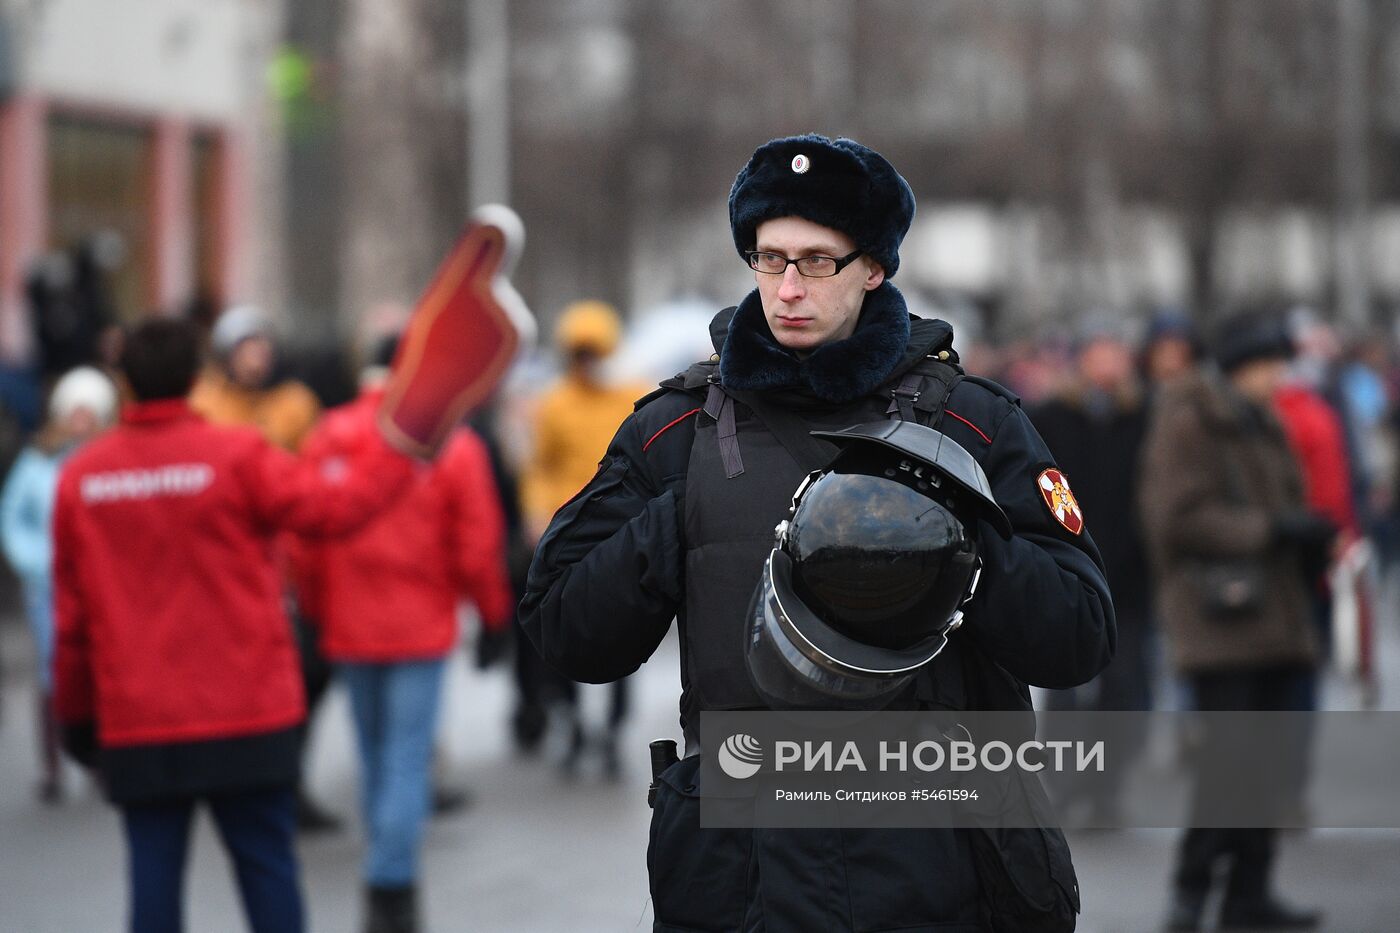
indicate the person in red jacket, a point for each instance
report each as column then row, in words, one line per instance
column 1316, row 435
column 387, row 598
column 175, row 671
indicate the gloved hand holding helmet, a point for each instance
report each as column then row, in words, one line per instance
column 871, row 570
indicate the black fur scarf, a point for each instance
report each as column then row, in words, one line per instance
column 838, row 372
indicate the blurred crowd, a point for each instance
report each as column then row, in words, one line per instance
column 1104, row 398
column 377, row 610
column 1198, row 456
column 1241, row 485
column 1098, row 398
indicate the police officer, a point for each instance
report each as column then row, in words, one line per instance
column 680, row 517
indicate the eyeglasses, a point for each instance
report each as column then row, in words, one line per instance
column 815, row 267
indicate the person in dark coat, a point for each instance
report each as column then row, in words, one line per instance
column 680, row 516
column 1221, row 489
column 1171, row 348
column 1095, row 426
column 71, row 306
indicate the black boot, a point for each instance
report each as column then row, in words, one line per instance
column 527, row 726
column 612, row 756
column 1184, row 913
column 449, row 800
column 1266, row 914
column 573, row 754
column 312, row 817
column 391, row 910
column 51, row 785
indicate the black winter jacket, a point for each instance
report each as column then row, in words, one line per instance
column 1100, row 451
column 609, row 576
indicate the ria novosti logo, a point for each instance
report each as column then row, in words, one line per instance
column 741, row 756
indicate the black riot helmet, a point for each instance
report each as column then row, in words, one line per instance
column 871, row 569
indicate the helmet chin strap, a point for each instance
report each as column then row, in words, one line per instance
column 780, row 531
column 956, row 621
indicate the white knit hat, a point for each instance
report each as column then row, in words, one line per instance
column 84, row 387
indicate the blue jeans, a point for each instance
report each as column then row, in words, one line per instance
column 38, row 610
column 395, row 707
column 256, row 827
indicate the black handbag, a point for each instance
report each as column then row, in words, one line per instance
column 1231, row 588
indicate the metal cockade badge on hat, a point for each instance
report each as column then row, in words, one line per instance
column 800, row 164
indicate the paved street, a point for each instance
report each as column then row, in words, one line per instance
column 538, row 852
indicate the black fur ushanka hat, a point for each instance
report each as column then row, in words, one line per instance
column 836, row 183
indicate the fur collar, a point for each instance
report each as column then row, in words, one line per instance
column 752, row 359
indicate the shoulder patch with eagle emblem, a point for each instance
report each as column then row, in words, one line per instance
column 1054, row 489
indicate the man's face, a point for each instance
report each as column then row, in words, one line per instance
column 1169, row 357
column 586, row 363
column 1258, row 380
column 250, row 363
column 1106, row 363
column 81, row 424
column 805, row 313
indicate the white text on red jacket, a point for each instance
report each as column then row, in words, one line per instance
column 176, row 479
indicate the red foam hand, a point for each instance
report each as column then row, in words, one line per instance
column 461, row 339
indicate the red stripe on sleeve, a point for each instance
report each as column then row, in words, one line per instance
column 980, row 432
column 693, row 411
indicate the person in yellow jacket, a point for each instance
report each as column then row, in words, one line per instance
column 578, row 415
column 238, row 387
column 572, row 425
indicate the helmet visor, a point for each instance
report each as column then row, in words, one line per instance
column 797, row 661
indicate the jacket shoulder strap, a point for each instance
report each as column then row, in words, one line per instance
column 790, row 430
column 922, row 391
column 694, row 381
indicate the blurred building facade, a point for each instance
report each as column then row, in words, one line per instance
column 1068, row 155
column 132, row 120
